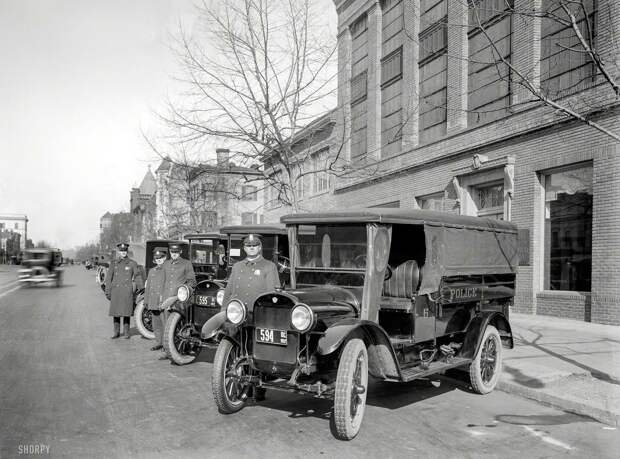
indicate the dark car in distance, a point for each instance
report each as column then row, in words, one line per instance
column 41, row 266
column 397, row 294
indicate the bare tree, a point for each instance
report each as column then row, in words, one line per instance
column 258, row 72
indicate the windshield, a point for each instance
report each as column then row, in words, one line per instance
column 204, row 251
column 332, row 254
column 36, row 255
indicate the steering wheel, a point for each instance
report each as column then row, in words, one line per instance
column 360, row 261
column 283, row 263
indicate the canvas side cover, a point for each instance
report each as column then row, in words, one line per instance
column 454, row 251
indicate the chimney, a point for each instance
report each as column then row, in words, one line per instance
column 223, row 156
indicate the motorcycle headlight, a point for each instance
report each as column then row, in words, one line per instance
column 302, row 317
column 183, row 293
column 219, row 297
column 235, row 312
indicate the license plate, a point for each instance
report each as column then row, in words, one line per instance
column 270, row 336
column 204, row 300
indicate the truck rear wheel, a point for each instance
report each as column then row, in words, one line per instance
column 485, row 370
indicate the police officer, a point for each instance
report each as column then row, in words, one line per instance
column 178, row 271
column 253, row 275
column 153, row 295
column 122, row 280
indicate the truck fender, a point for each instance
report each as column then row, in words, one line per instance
column 382, row 362
column 173, row 304
column 475, row 331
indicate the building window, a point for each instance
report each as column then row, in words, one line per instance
column 489, row 88
column 249, row 218
column 391, row 77
column 16, row 225
column 489, row 199
column 568, row 217
column 208, row 219
column 433, row 63
column 435, row 201
column 391, row 204
column 300, row 182
column 359, row 88
column 1, row 225
column 248, row 193
column 565, row 67
column 322, row 177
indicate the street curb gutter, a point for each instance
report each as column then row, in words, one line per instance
column 604, row 416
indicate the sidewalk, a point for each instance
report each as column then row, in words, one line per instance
column 565, row 363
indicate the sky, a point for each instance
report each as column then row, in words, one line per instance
column 78, row 81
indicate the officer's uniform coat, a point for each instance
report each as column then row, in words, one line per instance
column 123, row 278
column 153, row 295
column 177, row 272
column 249, row 279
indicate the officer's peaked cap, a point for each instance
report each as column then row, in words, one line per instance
column 252, row 239
column 175, row 248
column 159, row 252
column 122, row 246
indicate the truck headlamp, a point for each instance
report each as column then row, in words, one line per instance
column 183, row 293
column 302, row 317
column 219, row 297
column 235, row 312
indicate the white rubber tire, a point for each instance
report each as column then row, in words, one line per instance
column 137, row 315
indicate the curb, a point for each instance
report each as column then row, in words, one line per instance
column 604, row 416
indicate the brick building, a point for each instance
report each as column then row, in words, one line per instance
column 16, row 223
column 315, row 147
column 432, row 107
column 142, row 208
column 207, row 196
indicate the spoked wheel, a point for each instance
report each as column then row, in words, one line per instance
column 178, row 340
column 351, row 389
column 229, row 389
column 485, row 370
column 144, row 320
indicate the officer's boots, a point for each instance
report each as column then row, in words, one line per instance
column 117, row 330
column 126, row 330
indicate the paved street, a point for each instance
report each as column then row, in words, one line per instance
column 65, row 385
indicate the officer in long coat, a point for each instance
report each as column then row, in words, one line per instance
column 154, row 297
column 123, row 279
column 179, row 271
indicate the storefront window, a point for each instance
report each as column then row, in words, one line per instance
column 568, row 230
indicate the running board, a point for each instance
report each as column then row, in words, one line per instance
column 416, row 372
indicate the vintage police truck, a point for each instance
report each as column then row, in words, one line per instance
column 397, row 294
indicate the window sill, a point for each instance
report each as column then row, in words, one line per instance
column 566, row 294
